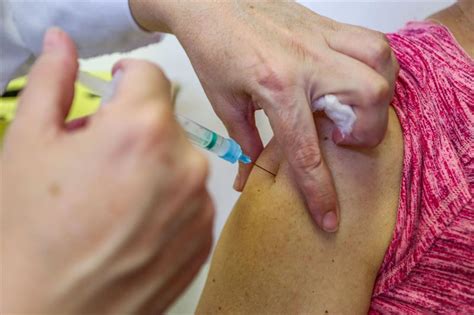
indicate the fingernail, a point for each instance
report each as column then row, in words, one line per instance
column 51, row 39
column 237, row 183
column 117, row 67
column 330, row 222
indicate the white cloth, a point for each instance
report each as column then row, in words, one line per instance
column 97, row 26
column 342, row 115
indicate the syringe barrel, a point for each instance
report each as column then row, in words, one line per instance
column 197, row 134
column 207, row 139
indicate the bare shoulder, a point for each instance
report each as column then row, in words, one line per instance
column 456, row 19
column 271, row 258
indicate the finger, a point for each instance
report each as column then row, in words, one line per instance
column 293, row 125
column 248, row 137
column 77, row 123
column 140, row 80
column 140, row 105
column 365, row 90
column 370, row 47
column 373, row 49
column 48, row 95
column 241, row 127
column 368, row 130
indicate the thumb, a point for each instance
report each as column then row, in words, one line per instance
column 48, row 95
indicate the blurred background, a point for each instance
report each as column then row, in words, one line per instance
column 382, row 15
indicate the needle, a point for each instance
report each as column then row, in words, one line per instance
column 263, row 168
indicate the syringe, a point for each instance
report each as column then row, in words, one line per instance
column 226, row 148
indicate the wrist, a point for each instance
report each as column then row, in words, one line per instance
column 174, row 17
column 155, row 16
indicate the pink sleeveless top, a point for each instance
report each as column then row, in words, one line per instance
column 429, row 265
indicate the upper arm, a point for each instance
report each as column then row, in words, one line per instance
column 271, row 258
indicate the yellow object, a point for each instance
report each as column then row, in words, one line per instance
column 84, row 104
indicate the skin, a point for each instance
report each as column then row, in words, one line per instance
column 459, row 18
column 104, row 239
column 99, row 195
column 86, row 214
column 280, row 57
column 271, row 260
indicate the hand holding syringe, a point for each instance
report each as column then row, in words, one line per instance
column 202, row 137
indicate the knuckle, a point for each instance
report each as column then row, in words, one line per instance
column 378, row 93
column 154, row 120
column 322, row 200
column 151, row 72
column 159, row 75
column 151, row 124
column 267, row 76
column 380, row 51
column 146, row 132
column 159, row 72
column 308, row 158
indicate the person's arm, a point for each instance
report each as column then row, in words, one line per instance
column 281, row 57
column 270, row 258
column 97, row 28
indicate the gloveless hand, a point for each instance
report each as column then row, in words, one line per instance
column 280, row 57
column 105, row 215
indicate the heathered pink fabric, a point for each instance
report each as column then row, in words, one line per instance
column 429, row 265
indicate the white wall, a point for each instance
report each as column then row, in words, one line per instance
column 386, row 16
column 382, row 15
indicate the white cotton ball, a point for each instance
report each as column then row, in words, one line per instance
column 342, row 115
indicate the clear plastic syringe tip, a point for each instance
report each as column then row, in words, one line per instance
column 245, row 159
column 234, row 152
